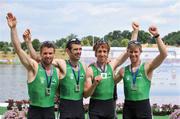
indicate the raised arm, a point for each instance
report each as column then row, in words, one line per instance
column 123, row 57
column 25, row 59
column 151, row 65
column 27, row 39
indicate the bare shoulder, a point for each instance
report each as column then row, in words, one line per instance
column 84, row 66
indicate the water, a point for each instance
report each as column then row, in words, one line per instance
column 165, row 87
column 13, row 82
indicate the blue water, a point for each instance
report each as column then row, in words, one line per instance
column 165, row 82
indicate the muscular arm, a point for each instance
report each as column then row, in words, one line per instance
column 119, row 75
column 150, row 66
column 123, row 57
column 24, row 58
column 27, row 39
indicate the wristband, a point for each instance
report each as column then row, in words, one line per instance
column 156, row 36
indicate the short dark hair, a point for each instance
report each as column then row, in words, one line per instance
column 72, row 41
column 47, row 44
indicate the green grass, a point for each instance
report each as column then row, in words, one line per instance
column 154, row 117
column 3, row 110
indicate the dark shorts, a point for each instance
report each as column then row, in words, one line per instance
column 35, row 112
column 70, row 109
column 101, row 109
column 137, row 110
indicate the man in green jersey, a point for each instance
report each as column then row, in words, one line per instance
column 137, row 78
column 72, row 78
column 43, row 77
column 100, row 81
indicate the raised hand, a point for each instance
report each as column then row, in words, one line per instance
column 135, row 26
column 153, row 30
column 27, row 35
column 11, row 20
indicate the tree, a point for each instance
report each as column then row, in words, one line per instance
column 126, row 34
column 143, row 36
column 5, row 49
column 71, row 36
column 85, row 42
column 23, row 45
column 61, row 43
column 115, row 43
column 36, row 44
column 173, row 38
column 124, row 42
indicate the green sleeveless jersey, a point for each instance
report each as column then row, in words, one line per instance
column 37, row 88
column 142, row 85
column 69, row 82
column 105, row 88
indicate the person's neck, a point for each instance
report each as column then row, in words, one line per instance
column 136, row 64
column 73, row 63
column 46, row 67
column 101, row 64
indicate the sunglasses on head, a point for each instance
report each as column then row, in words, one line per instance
column 101, row 42
column 134, row 42
column 73, row 41
column 47, row 42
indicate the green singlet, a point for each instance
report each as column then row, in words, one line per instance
column 37, row 88
column 69, row 82
column 105, row 88
column 142, row 85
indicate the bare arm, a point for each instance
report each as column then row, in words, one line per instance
column 150, row 66
column 123, row 57
column 119, row 75
column 25, row 59
column 27, row 39
column 89, row 86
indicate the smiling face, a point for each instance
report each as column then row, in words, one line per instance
column 101, row 54
column 75, row 52
column 134, row 54
column 47, row 55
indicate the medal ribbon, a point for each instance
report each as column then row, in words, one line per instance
column 51, row 75
column 77, row 79
column 134, row 75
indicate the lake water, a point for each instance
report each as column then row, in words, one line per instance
column 165, row 87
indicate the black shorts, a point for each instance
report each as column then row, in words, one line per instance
column 35, row 112
column 70, row 109
column 101, row 109
column 137, row 110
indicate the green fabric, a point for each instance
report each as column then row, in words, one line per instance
column 68, row 83
column 142, row 84
column 36, row 89
column 105, row 88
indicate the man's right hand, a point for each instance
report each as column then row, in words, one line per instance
column 97, row 79
column 135, row 26
column 27, row 35
column 11, row 20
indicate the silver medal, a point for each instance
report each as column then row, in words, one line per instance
column 104, row 75
column 48, row 91
column 77, row 87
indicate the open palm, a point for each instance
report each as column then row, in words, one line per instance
column 11, row 20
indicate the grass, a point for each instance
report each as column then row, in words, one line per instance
column 3, row 110
column 154, row 117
